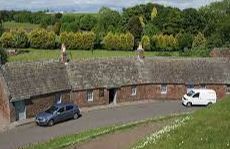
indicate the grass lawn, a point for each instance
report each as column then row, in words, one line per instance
column 208, row 128
column 15, row 25
column 42, row 54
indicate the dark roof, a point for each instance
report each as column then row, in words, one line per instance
column 28, row 79
column 116, row 72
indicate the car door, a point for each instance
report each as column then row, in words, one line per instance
column 70, row 111
column 196, row 99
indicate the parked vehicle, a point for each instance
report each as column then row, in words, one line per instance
column 58, row 113
column 199, row 97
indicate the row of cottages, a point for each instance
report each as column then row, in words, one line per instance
column 27, row 88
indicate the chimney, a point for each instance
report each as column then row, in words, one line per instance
column 140, row 52
column 63, row 54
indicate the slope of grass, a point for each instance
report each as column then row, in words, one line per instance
column 208, row 128
column 41, row 54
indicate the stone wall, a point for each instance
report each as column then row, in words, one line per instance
column 39, row 104
column 80, row 98
column 144, row 92
column 4, row 103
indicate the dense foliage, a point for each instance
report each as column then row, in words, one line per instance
column 119, row 41
column 3, row 56
column 78, row 40
column 40, row 38
column 159, row 28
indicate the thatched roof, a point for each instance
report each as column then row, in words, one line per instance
column 29, row 79
column 25, row 80
column 118, row 72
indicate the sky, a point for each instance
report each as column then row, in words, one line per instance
column 93, row 5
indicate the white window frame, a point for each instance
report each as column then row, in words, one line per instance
column 164, row 89
column 89, row 95
column 228, row 89
column 134, row 90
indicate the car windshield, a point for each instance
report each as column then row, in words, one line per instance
column 51, row 109
column 190, row 93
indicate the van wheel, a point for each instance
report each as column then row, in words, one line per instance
column 189, row 104
column 209, row 104
column 51, row 123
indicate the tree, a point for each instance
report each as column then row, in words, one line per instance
column 87, row 22
column 154, row 13
column 56, row 28
column 134, row 26
column 199, row 41
column 150, row 30
column 146, row 42
column 108, row 17
column 20, row 38
column 184, row 40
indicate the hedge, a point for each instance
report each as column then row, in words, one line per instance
column 118, row 41
column 79, row 40
column 14, row 39
column 41, row 38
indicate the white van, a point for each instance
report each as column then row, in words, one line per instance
column 199, row 97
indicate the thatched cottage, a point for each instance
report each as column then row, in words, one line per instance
column 27, row 88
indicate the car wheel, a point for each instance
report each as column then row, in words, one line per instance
column 75, row 116
column 189, row 104
column 51, row 123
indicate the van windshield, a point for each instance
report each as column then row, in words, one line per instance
column 190, row 93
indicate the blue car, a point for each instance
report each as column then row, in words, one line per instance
column 58, row 113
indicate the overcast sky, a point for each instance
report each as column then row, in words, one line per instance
column 93, row 5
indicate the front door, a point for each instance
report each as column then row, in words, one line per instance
column 112, row 96
column 20, row 108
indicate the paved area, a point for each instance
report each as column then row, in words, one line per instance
column 30, row 133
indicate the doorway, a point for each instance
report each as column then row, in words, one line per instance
column 20, row 109
column 112, row 96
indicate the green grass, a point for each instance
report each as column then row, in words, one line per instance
column 209, row 128
column 14, row 25
column 66, row 141
column 41, row 54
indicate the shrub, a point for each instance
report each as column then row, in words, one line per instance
column 199, row 41
column 20, row 39
column 6, row 40
column 118, row 41
column 146, row 43
column 196, row 52
column 41, row 38
column 3, row 56
column 164, row 42
column 84, row 40
column 88, row 39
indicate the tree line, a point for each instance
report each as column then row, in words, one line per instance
column 159, row 28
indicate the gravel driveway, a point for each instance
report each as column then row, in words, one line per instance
column 31, row 133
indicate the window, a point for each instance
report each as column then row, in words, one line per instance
column 203, row 86
column 163, row 89
column 228, row 89
column 69, row 108
column 58, row 99
column 90, row 95
column 190, row 87
column 197, row 95
column 101, row 93
column 61, row 110
column 133, row 90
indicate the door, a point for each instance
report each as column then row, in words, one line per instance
column 20, row 108
column 112, row 96
column 196, row 99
